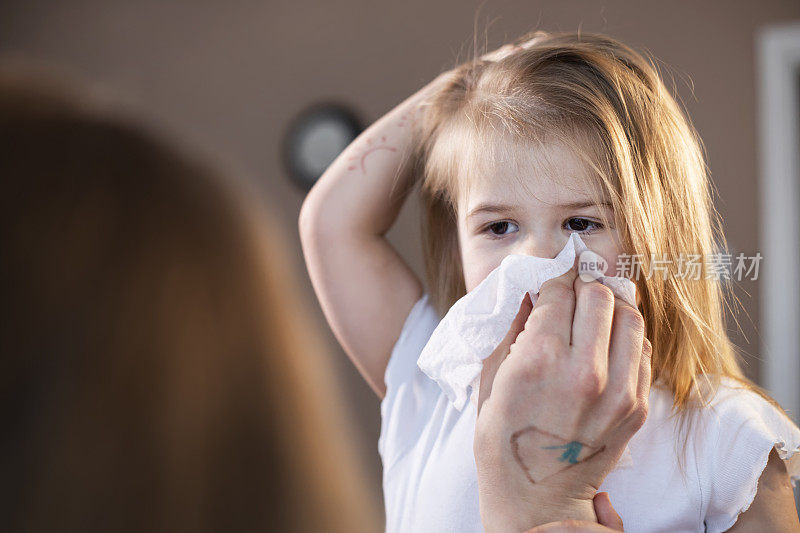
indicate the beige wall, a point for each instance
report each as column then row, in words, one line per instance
column 232, row 74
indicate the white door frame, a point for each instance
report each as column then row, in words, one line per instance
column 778, row 57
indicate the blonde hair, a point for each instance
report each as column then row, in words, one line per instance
column 609, row 105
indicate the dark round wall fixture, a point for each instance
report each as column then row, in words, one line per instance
column 315, row 138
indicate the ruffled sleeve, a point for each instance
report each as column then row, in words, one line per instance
column 743, row 428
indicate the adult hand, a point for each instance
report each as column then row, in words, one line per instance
column 559, row 399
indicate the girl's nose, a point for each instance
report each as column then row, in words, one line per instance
column 542, row 246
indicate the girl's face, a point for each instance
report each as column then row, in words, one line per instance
column 498, row 217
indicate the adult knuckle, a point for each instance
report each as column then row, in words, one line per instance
column 485, row 442
column 630, row 318
column 590, row 383
column 593, row 352
column 479, row 439
column 520, row 343
column 550, row 345
column 625, row 405
column 558, row 289
column 597, row 294
column 639, row 415
column 483, row 426
column 647, row 348
column 531, row 371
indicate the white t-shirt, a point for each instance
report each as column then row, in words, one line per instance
column 429, row 475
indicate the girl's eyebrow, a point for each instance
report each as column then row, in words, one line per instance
column 491, row 208
column 505, row 208
column 583, row 203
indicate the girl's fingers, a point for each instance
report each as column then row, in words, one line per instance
column 528, row 41
column 512, row 48
column 606, row 515
column 500, row 53
column 551, row 317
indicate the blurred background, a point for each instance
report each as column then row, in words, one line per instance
column 234, row 75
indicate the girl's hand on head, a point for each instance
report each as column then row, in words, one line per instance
column 559, row 400
column 501, row 53
column 495, row 55
column 512, row 48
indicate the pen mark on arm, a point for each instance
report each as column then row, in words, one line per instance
column 410, row 117
column 358, row 161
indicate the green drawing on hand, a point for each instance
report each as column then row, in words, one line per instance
column 571, row 451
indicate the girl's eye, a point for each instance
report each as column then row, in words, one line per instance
column 582, row 225
column 498, row 229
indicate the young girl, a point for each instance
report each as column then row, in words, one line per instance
column 514, row 152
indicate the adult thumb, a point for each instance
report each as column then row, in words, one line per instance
column 606, row 515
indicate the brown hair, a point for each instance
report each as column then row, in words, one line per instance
column 158, row 372
column 610, row 106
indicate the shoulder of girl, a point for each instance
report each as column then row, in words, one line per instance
column 421, row 320
column 740, row 430
column 733, row 402
column 417, row 329
column 740, row 423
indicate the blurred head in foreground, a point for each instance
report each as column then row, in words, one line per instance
column 157, row 371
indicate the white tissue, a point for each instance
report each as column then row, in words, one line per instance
column 475, row 324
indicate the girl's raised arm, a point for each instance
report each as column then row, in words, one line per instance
column 365, row 288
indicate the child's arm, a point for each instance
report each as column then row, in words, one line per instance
column 365, row 288
column 773, row 508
